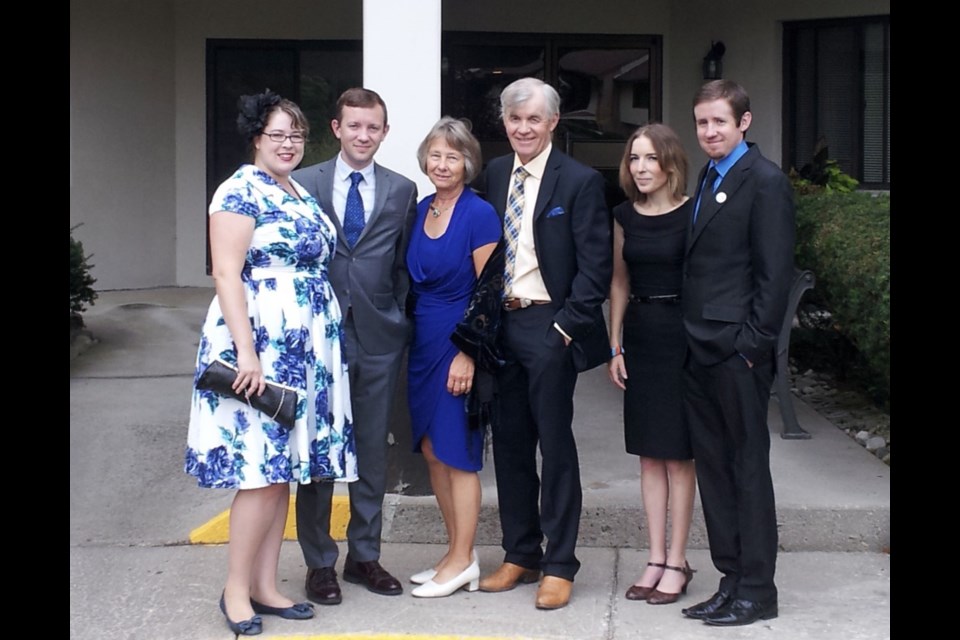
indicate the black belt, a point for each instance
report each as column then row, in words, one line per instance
column 673, row 298
column 511, row 304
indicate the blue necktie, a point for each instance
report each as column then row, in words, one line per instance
column 353, row 214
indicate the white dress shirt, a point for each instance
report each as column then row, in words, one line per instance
column 341, row 185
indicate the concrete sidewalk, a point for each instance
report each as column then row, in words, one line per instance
column 134, row 574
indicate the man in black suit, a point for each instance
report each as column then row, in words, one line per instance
column 369, row 276
column 737, row 275
column 558, row 268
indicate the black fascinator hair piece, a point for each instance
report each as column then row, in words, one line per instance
column 254, row 110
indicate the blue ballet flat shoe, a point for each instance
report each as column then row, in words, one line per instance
column 299, row 611
column 251, row 627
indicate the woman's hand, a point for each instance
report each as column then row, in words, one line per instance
column 617, row 370
column 460, row 377
column 249, row 374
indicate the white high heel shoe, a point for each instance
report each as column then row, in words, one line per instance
column 427, row 574
column 469, row 578
column 423, row 577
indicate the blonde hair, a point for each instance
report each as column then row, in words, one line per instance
column 455, row 133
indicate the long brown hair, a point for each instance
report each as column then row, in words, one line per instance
column 670, row 155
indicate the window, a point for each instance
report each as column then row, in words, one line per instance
column 837, row 95
column 311, row 73
column 609, row 85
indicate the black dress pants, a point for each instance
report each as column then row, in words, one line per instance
column 726, row 407
column 536, row 408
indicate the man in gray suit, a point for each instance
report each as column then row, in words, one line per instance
column 373, row 209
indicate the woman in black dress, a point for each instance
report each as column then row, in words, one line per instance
column 649, row 234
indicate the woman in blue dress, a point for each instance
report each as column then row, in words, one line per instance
column 274, row 317
column 453, row 236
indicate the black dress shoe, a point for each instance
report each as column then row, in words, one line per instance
column 322, row 586
column 741, row 612
column 373, row 576
column 717, row 601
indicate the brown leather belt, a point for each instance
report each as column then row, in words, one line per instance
column 512, row 304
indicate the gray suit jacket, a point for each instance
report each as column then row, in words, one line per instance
column 371, row 279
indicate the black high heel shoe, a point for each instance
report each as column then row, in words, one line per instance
column 299, row 611
column 251, row 627
column 659, row 597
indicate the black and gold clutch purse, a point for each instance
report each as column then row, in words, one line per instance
column 278, row 400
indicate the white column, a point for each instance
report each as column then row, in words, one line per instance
column 401, row 62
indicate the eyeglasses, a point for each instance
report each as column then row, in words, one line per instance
column 276, row 136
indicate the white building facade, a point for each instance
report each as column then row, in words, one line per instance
column 150, row 82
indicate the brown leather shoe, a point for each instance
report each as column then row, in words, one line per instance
column 507, row 576
column 322, row 586
column 554, row 592
column 659, row 597
column 636, row 592
column 373, row 576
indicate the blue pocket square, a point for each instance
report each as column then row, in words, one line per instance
column 556, row 211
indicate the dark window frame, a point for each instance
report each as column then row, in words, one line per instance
column 791, row 104
column 217, row 46
column 552, row 42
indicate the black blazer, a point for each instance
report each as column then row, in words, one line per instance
column 739, row 263
column 573, row 245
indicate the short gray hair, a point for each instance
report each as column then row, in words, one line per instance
column 523, row 89
column 455, row 133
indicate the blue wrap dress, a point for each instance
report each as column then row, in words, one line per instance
column 443, row 278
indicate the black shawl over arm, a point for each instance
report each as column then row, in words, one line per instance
column 477, row 336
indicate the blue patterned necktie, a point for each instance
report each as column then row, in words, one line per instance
column 511, row 225
column 353, row 214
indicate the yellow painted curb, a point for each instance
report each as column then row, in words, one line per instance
column 217, row 529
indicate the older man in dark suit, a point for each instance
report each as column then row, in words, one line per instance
column 373, row 210
column 737, row 275
column 558, row 268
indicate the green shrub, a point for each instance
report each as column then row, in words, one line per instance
column 844, row 238
column 822, row 174
column 81, row 282
column 830, row 179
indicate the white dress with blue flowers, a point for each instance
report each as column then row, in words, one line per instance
column 297, row 334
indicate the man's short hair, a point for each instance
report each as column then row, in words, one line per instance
column 735, row 95
column 362, row 98
column 521, row 90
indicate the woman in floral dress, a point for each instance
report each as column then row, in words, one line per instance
column 274, row 317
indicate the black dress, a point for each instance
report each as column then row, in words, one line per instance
column 654, row 340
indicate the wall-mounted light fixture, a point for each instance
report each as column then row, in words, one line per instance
column 713, row 61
